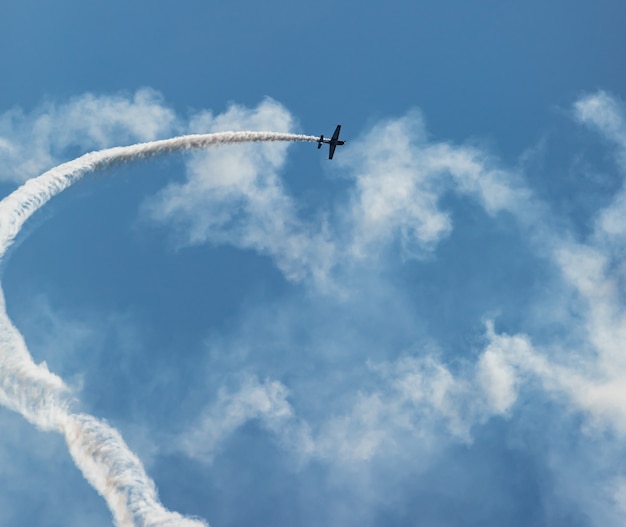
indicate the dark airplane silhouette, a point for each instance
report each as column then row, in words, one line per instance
column 333, row 142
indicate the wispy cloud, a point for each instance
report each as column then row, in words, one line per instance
column 592, row 372
column 236, row 196
column 418, row 400
column 254, row 400
column 605, row 114
column 33, row 142
column 399, row 180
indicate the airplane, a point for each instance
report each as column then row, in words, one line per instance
column 333, row 142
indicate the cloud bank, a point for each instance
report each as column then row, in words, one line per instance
column 440, row 319
column 419, row 400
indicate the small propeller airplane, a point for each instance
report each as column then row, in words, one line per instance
column 333, row 142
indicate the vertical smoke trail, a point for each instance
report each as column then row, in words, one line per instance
column 41, row 396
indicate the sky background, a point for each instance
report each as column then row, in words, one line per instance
column 427, row 330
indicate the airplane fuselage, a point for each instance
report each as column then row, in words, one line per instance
column 338, row 142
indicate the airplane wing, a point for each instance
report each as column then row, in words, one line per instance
column 331, row 150
column 336, row 134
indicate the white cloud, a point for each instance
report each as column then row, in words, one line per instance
column 498, row 380
column 235, row 196
column 588, row 375
column 415, row 398
column 611, row 222
column 400, row 177
column 34, row 142
column 605, row 113
column 588, row 378
column 395, row 194
column 263, row 401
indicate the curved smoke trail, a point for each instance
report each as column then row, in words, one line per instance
column 41, row 396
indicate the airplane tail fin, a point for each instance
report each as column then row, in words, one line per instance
column 319, row 143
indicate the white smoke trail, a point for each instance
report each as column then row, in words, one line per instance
column 41, row 396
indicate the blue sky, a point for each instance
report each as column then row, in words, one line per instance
column 427, row 330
